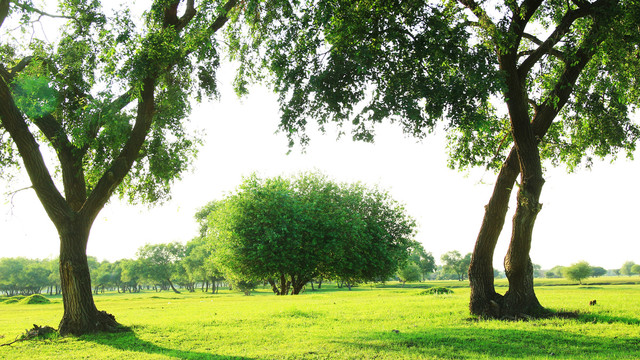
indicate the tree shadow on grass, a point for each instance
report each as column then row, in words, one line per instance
column 474, row 343
column 129, row 341
column 608, row 319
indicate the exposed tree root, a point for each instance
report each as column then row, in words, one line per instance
column 104, row 322
column 36, row 332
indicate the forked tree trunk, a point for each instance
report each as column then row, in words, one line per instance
column 80, row 313
column 484, row 301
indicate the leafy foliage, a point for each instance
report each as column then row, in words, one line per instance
column 410, row 272
column 159, row 262
column 419, row 63
column 627, row 268
column 455, row 263
column 578, row 271
column 289, row 231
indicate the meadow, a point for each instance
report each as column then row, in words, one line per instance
column 369, row 322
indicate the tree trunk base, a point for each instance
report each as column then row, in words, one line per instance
column 505, row 308
column 487, row 307
column 102, row 321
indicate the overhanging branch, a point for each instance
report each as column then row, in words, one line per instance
column 551, row 51
column 42, row 13
column 560, row 31
column 222, row 18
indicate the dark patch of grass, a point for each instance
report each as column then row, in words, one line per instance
column 473, row 343
column 436, row 291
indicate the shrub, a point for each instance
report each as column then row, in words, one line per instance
column 35, row 299
column 436, row 291
column 13, row 299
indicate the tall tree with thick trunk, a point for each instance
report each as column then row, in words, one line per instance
column 107, row 100
column 566, row 72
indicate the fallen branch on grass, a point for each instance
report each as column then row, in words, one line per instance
column 37, row 331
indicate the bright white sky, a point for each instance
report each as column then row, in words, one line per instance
column 589, row 215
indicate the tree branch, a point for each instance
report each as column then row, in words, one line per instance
column 189, row 13
column 105, row 113
column 560, row 31
column 121, row 165
column 21, row 65
column 552, row 51
column 54, row 204
column 70, row 160
column 130, row 153
column 4, row 10
column 29, row 8
column 520, row 18
column 559, row 96
column 222, row 18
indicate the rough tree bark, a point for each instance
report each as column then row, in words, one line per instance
column 484, row 300
column 80, row 313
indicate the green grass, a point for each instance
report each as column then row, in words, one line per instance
column 366, row 323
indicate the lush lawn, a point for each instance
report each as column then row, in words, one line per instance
column 367, row 323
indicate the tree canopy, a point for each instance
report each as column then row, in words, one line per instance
column 289, row 230
column 578, row 271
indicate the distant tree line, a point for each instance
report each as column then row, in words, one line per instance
column 179, row 267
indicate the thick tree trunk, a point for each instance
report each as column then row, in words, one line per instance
column 298, row 284
column 484, row 299
column 521, row 298
column 80, row 313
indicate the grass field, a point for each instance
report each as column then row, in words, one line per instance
column 366, row 323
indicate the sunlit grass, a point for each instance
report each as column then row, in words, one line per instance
column 367, row 323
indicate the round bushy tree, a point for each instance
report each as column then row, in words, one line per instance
column 289, row 231
column 578, row 271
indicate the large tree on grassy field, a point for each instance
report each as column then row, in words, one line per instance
column 512, row 83
column 289, row 231
column 100, row 110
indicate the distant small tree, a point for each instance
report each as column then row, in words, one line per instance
column 455, row 263
column 635, row 269
column 246, row 286
column 409, row 272
column 578, row 271
column 626, row 268
column 537, row 271
column 597, row 271
column 423, row 259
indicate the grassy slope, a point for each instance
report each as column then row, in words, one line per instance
column 337, row 325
